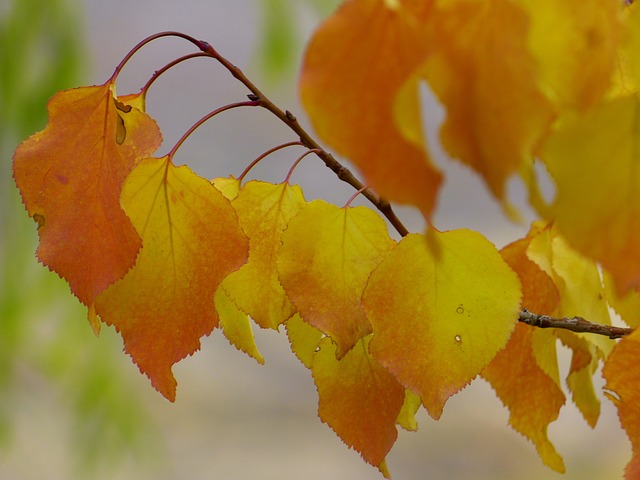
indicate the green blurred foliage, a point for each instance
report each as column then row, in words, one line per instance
column 281, row 42
column 45, row 340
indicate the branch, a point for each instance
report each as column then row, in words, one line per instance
column 342, row 172
column 575, row 324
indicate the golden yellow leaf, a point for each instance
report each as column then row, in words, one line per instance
column 304, row 339
column 441, row 306
column 264, row 210
column 581, row 294
column 236, row 326
column 326, row 257
column 593, row 159
column 575, row 44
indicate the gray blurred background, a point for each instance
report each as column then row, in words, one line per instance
column 73, row 406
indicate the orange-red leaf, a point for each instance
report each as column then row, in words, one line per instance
column 481, row 69
column 441, row 306
column 70, row 176
column 354, row 67
column 191, row 241
column 622, row 373
column 359, row 399
column 264, row 211
column 326, row 257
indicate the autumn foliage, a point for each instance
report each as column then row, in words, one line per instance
column 384, row 325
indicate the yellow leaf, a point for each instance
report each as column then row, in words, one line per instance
column 236, row 326
column 407, row 416
column 348, row 87
column 358, row 399
column 191, row 240
column 575, row 44
column 326, row 257
column 264, row 210
column 593, row 159
column 622, row 373
column 481, row 69
column 304, row 339
column 581, row 294
column 441, row 306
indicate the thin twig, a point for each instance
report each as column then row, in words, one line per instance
column 342, row 172
column 575, row 324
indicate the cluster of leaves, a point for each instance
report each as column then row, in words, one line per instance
column 384, row 326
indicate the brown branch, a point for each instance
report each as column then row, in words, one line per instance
column 342, row 172
column 575, row 324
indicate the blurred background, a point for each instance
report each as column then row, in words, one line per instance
column 74, row 406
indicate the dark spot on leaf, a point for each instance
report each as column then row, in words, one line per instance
column 121, row 131
column 62, row 179
column 122, row 107
column 39, row 219
column 460, row 309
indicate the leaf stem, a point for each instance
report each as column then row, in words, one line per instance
column 203, row 46
column 342, row 172
column 298, row 160
column 263, row 155
column 574, row 324
column 169, row 65
column 353, row 197
column 209, row 115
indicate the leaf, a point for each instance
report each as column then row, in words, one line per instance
column 482, row 71
column 326, row 257
column 597, row 206
column 264, row 211
column 236, row 326
column 407, row 416
column 575, row 44
column 623, row 380
column 304, row 339
column 359, row 399
column 70, row 176
column 441, row 307
column 348, row 87
column 581, row 294
column 525, row 374
column 191, row 241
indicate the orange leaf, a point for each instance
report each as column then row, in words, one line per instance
column 264, row 210
column 191, row 241
column 482, row 71
column 359, row 399
column 525, row 374
column 441, row 306
column 70, row 176
column 348, row 88
column 326, row 257
column 622, row 373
